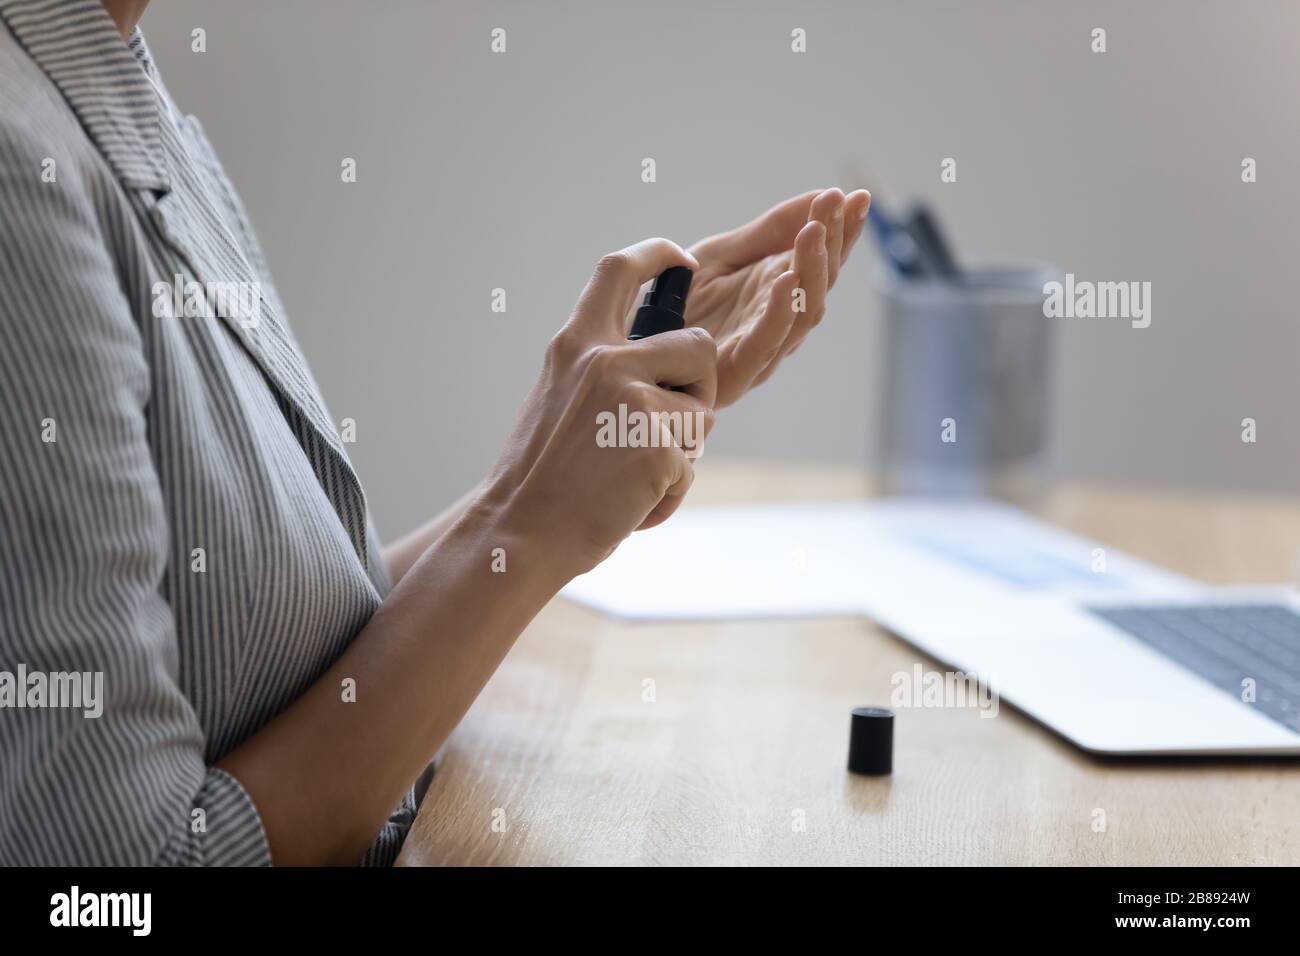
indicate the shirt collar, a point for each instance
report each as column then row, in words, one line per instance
column 104, row 79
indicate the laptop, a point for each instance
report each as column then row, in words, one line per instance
column 1116, row 655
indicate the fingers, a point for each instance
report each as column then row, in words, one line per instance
column 844, row 221
column 686, row 360
column 688, row 422
column 608, row 297
column 762, row 344
column 774, row 231
column 670, row 382
column 828, row 209
column 856, row 205
column 770, row 233
column 668, row 504
column 811, row 263
column 848, row 220
column 680, row 473
column 682, row 424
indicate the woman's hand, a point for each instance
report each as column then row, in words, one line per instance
column 743, row 293
column 554, row 479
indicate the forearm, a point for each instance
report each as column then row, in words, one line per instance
column 326, row 773
column 403, row 553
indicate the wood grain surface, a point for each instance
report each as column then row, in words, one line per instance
column 740, row 757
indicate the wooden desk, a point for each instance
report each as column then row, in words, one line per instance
column 750, row 725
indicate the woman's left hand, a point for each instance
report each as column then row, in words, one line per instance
column 745, row 291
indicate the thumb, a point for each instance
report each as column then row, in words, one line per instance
column 608, row 297
column 770, row 233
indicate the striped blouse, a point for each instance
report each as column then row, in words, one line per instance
column 178, row 514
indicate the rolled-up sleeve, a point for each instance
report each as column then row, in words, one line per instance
column 83, row 553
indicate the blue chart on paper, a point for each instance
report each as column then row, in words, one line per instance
column 1013, row 559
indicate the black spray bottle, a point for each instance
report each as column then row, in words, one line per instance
column 664, row 308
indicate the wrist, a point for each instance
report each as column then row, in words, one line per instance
column 530, row 540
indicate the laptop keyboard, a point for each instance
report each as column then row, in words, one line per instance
column 1227, row 644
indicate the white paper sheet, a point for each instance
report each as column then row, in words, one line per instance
column 851, row 558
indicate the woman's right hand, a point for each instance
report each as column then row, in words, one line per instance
column 553, row 479
column 557, row 502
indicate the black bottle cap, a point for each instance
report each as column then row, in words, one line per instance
column 669, row 289
column 871, row 741
column 664, row 308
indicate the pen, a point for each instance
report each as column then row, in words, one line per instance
column 896, row 243
column 922, row 225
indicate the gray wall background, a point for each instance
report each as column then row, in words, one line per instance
column 518, row 170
